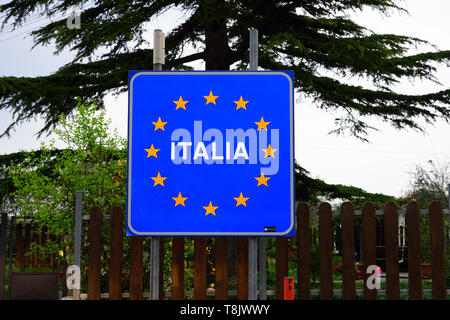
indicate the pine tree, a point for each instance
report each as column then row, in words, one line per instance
column 315, row 38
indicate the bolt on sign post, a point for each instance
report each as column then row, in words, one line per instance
column 210, row 153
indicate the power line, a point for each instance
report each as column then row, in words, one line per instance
column 25, row 32
column 43, row 15
column 32, row 17
column 32, row 21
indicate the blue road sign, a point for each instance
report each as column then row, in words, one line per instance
column 210, row 153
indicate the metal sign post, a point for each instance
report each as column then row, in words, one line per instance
column 253, row 49
column 77, row 242
column 77, row 228
column 252, row 241
column 158, row 61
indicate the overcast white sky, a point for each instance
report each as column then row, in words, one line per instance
column 379, row 166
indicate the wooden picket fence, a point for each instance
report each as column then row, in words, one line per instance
column 303, row 238
column 16, row 242
column 23, row 241
column 25, row 234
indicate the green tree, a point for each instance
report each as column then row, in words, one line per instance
column 430, row 182
column 314, row 191
column 45, row 182
column 315, row 38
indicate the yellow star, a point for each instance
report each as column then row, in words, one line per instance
column 262, row 124
column 211, row 98
column 159, row 180
column 269, row 152
column 179, row 200
column 210, row 209
column 241, row 200
column 262, row 180
column 180, row 103
column 159, row 124
column 241, row 103
column 152, row 152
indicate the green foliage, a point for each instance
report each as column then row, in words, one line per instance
column 314, row 191
column 94, row 162
column 430, row 182
column 315, row 39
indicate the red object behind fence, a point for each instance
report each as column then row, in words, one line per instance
column 288, row 288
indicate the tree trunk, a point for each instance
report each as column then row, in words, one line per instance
column 217, row 51
column 217, row 54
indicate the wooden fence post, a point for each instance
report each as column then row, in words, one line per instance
column 19, row 250
column 12, row 224
column 177, row 268
column 51, row 262
column 136, row 257
column 437, row 250
column 35, row 241
column 162, row 240
column 304, row 249
column 95, row 251
column 44, row 245
column 115, row 267
column 200, row 268
column 242, row 265
column 281, row 262
column 369, row 245
column 348, row 251
column 325, row 251
column 3, row 240
column 414, row 256
column 27, row 245
column 64, row 290
column 391, row 239
column 221, row 268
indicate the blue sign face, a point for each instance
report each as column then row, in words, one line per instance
column 210, row 153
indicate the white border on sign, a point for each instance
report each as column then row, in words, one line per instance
column 130, row 115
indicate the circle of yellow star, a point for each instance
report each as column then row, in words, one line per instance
column 179, row 200
column 159, row 180
column 262, row 124
column 241, row 104
column 262, row 180
column 241, row 200
column 152, row 152
column 210, row 98
column 269, row 152
column 159, row 124
column 210, row 209
column 180, row 103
